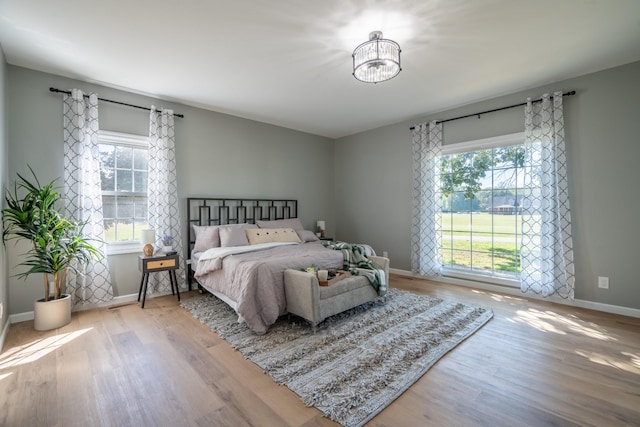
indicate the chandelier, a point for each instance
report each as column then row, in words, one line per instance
column 376, row 60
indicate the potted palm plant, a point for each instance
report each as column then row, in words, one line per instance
column 57, row 245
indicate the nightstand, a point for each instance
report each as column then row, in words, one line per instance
column 154, row 264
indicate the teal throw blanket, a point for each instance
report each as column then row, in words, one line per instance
column 358, row 264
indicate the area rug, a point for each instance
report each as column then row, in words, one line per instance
column 358, row 361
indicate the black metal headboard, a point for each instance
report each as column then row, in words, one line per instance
column 216, row 211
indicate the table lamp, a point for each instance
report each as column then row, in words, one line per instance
column 148, row 239
column 320, row 226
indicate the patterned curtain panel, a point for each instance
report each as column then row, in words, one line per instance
column 162, row 191
column 547, row 248
column 83, row 194
column 426, row 258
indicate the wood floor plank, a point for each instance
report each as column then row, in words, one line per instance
column 279, row 398
column 535, row 363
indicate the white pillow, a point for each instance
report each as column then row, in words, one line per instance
column 268, row 235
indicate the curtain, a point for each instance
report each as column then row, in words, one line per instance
column 162, row 190
column 426, row 259
column 547, row 249
column 83, row 194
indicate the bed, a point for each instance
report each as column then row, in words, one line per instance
column 239, row 249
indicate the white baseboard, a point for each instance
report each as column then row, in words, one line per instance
column 607, row 308
column 119, row 300
column 20, row 317
column 122, row 299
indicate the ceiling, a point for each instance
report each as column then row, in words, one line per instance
column 288, row 62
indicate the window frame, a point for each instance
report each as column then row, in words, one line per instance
column 129, row 140
column 476, row 145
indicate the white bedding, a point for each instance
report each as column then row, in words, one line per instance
column 251, row 278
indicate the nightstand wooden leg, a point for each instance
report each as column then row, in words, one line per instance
column 144, row 291
column 141, row 283
column 175, row 280
column 171, row 281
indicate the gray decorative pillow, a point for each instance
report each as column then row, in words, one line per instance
column 281, row 223
column 234, row 235
column 307, row 236
column 207, row 236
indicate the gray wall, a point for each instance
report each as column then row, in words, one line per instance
column 217, row 155
column 603, row 148
column 229, row 156
column 4, row 273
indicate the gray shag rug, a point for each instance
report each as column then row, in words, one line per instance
column 359, row 361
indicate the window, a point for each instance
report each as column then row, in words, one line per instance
column 123, row 172
column 482, row 187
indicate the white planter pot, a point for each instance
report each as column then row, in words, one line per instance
column 52, row 314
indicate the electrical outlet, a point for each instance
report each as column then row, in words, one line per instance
column 385, row 254
column 603, row 282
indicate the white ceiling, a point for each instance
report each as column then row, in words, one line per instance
column 288, row 62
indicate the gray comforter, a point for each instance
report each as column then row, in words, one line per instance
column 254, row 281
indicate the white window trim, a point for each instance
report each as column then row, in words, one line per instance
column 479, row 277
column 120, row 248
column 485, row 143
column 109, row 137
column 482, row 144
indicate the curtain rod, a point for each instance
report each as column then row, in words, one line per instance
column 573, row 92
column 52, row 89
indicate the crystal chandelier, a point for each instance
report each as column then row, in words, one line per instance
column 376, row 60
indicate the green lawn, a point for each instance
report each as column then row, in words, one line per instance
column 500, row 256
column 467, row 241
column 482, row 223
column 125, row 232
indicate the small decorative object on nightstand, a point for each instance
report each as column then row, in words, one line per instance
column 167, row 241
column 320, row 227
column 155, row 264
column 148, row 239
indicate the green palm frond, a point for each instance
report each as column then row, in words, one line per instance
column 57, row 243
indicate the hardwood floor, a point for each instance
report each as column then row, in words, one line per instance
column 533, row 364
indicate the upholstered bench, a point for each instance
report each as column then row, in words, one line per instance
column 314, row 303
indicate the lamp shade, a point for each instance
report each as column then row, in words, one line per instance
column 376, row 60
column 148, row 237
column 320, row 225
